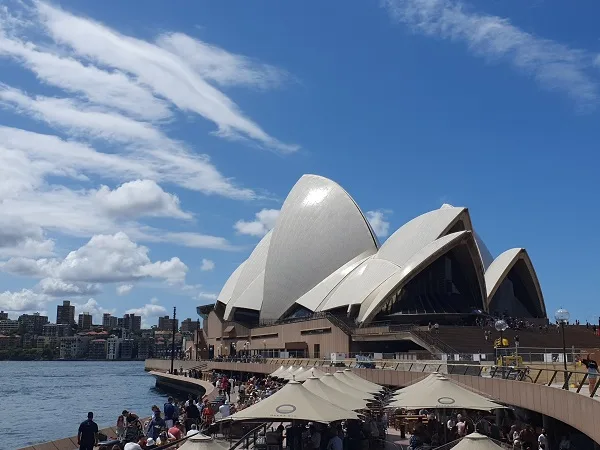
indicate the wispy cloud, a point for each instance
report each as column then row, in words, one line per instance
column 553, row 65
column 167, row 74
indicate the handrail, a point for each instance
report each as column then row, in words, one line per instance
column 522, row 374
column 244, row 437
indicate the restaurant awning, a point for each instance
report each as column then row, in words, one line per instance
column 419, row 384
column 332, row 395
column 340, row 375
column 476, row 441
column 346, row 389
column 310, row 372
column 294, row 402
column 278, row 371
column 441, row 393
column 292, row 375
column 362, row 381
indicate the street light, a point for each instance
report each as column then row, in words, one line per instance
column 500, row 326
column 562, row 318
column 264, row 348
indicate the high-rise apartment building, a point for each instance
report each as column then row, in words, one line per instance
column 165, row 323
column 33, row 323
column 65, row 313
column 109, row 321
column 132, row 322
column 3, row 315
column 189, row 325
column 85, row 321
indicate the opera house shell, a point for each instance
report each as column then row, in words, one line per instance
column 323, row 256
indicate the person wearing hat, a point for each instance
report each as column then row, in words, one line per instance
column 150, row 443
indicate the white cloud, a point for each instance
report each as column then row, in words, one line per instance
column 378, row 221
column 140, row 198
column 92, row 307
column 265, row 221
column 20, row 238
column 111, row 89
column 207, row 265
column 196, row 240
column 104, row 259
column 167, row 74
column 59, row 288
column 149, row 311
column 215, row 64
column 206, row 296
column 23, row 301
column 124, row 289
column 555, row 66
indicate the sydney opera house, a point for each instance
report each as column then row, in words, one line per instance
column 320, row 279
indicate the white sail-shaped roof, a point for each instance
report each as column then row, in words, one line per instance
column 501, row 267
column 418, row 233
column 229, row 286
column 414, row 266
column 317, row 297
column 320, row 228
column 322, row 255
column 360, row 283
column 248, row 290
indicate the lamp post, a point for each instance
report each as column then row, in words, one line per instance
column 173, row 338
column 562, row 318
column 500, row 326
column 264, row 348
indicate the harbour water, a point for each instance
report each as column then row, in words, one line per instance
column 46, row 400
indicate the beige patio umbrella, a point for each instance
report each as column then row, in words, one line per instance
column 356, row 385
column 333, row 382
column 285, row 372
column 310, row 372
column 442, row 393
column 419, row 384
column 292, row 375
column 476, row 441
column 332, row 395
column 294, row 402
column 278, row 371
column 360, row 380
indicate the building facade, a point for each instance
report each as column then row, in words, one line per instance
column 165, row 323
column 113, row 348
column 109, row 321
column 8, row 325
column 189, row 325
column 3, row 315
column 132, row 322
column 73, row 347
column 33, row 323
column 65, row 313
column 57, row 329
column 85, row 321
column 97, row 349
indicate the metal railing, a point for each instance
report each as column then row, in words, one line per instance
column 558, row 377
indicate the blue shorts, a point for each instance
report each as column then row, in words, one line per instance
column 592, row 374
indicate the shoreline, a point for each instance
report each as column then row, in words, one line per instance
column 169, row 382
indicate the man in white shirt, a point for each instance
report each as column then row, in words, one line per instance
column 225, row 409
column 543, row 440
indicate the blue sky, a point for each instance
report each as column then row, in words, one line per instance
column 144, row 149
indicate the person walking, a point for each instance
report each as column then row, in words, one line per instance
column 592, row 368
column 87, row 435
column 169, row 410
